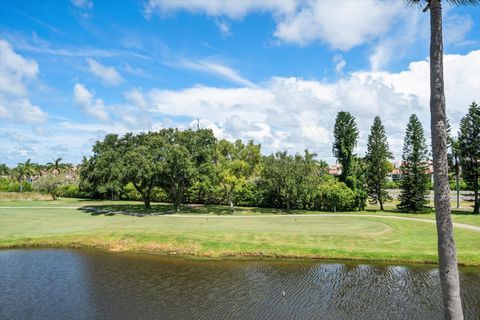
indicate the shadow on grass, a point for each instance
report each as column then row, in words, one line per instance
column 156, row 209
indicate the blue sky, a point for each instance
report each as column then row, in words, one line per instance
column 273, row 71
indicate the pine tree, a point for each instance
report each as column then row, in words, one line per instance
column 414, row 169
column 377, row 164
column 469, row 150
column 345, row 135
column 353, row 169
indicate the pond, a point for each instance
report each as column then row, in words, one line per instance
column 83, row 284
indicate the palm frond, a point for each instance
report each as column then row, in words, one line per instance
column 452, row 2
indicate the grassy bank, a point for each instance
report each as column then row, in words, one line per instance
column 210, row 231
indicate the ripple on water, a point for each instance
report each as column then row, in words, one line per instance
column 67, row 284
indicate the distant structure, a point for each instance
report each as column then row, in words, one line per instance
column 395, row 175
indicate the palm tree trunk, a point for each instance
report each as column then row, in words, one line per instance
column 457, row 180
column 446, row 245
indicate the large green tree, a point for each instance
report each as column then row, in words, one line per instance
column 235, row 164
column 377, row 164
column 345, row 134
column 102, row 173
column 143, row 162
column 469, row 150
column 447, row 257
column 414, row 183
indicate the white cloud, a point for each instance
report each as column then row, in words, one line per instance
column 109, row 75
column 282, row 113
column 21, row 110
column 223, row 26
column 82, row 4
column 214, row 68
column 456, row 28
column 94, row 107
column 294, row 114
column 337, row 23
column 333, row 22
column 340, row 63
column 230, row 9
column 15, row 70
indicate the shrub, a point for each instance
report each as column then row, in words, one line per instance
column 335, row 196
column 10, row 185
column 50, row 184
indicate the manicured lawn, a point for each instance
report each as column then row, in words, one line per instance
column 212, row 231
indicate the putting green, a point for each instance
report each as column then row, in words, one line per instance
column 309, row 236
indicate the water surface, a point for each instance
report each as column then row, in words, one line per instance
column 79, row 284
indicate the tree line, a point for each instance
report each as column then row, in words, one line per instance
column 192, row 166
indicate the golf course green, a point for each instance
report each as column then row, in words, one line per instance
column 211, row 231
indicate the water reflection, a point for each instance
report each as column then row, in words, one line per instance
column 67, row 284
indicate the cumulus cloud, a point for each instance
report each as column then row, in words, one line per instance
column 109, row 75
column 294, row 114
column 21, row 110
column 15, row 70
column 336, row 23
column 299, row 22
column 94, row 107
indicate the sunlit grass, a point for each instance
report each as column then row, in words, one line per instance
column 214, row 232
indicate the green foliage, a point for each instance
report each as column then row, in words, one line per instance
column 4, row 170
column 469, row 150
column 71, row 191
column 345, row 134
column 288, row 181
column 415, row 179
column 50, row 184
column 235, row 165
column 24, row 171
column 10, row 185
column 333, row 195
column 392, row 185
column 377, row 164
column 101, row 173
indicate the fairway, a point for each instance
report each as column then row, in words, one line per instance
column 348, row 236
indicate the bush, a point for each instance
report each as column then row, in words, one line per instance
column 50, row 184
column 71, row 191
column 392, row 185
column 10, row 185
column 335, row 196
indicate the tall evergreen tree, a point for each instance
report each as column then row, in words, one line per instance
column 345, row 135
column 469, row 149
column 414, row 183
column 377, row 164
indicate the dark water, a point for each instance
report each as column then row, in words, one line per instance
column 68, row 284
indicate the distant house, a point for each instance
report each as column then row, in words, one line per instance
column 335, row 169
column 395, row 175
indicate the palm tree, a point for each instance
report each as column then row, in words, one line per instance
column 447, row 257
column 24, row 171
column 55, row 166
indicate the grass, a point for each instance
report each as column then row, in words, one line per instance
column 211, row 231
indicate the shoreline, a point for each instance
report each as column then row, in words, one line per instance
column 184, row 253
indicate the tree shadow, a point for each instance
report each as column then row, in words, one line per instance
column 138, row 210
